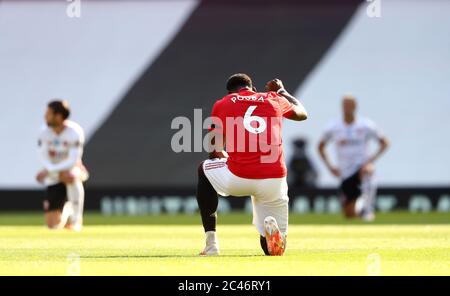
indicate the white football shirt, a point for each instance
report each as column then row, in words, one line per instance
column 60, row 152
column 351, row 143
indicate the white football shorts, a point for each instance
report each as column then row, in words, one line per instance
column 269, row 196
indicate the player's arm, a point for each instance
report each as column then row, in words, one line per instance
column 298, row 112
column 324, row 156
column 383, row 144
column 74, row 155
column 368, row 168
column 217, row 142
column 43, row 155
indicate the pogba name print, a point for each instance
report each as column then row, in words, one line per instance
column 247, row 98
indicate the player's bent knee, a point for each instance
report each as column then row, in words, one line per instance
column 349, row 210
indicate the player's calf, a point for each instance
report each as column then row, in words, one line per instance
column 208, row 202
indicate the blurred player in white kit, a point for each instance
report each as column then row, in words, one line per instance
column 355, row 168
column 61, row 148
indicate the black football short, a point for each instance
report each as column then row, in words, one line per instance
column 350, row 188
column 56, row 197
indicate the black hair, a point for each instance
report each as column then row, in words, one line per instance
column 237, row 81
column 60, row 107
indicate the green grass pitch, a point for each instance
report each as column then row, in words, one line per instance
column 396, row 244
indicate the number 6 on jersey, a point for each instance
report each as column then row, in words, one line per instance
column 249, row 118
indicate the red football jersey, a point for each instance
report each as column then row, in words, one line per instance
column 251, row 126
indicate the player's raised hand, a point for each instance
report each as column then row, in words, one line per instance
column 274, row 85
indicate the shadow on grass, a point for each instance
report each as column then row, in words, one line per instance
column 167, row 256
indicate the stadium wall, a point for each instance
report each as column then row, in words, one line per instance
column 129, row 68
